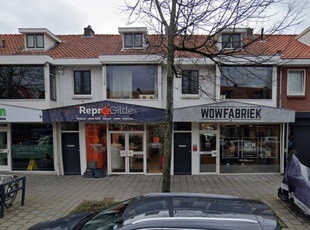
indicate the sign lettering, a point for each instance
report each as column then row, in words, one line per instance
column 232, row 113
column 2, row 114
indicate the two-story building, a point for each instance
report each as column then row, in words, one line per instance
column 71, row 102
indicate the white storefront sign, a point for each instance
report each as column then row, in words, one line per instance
column 10, row 113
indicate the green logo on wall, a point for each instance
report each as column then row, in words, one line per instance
column 2, row 114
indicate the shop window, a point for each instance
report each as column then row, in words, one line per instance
column 296, row 82
column 126, row 127
column 205, row 126
column 32, row 147
column 70, row 126
column 251, row 82
column 82, row 82
column 182, row 126
column 190, row 82
column 132, row 82
column 53, row 83
column 250, row 148
column 96, row 145
column 155, row 147
column 22, row 82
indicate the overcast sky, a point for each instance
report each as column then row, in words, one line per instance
column 71, row 16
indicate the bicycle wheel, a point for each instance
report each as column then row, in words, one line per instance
column 11, row 198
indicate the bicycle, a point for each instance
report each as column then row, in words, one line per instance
column 8, row 189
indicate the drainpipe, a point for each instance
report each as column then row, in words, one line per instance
column 280, row 90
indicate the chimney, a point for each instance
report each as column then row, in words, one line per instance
column 88, row 32
column 3, row 44
column 249, row 32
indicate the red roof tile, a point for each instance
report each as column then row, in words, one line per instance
column 77, row 46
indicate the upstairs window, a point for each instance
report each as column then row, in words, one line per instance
column 132, row 82
column 82, row 83
column 22, row 82
column 246, row 82
column 231, row 41
column 53, row 83
column 296, row 82
column 35, row 41
column 133, row 40
column 190, row 82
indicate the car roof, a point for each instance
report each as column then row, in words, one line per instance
column 193, row 210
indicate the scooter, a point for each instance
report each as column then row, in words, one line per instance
column 295, row 186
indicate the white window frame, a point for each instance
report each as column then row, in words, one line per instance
column 230, row 43
column 304, row 82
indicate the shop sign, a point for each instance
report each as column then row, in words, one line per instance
column 233, row 113
column 104, row 111
column 31, row 151
column 2, row 114
column 9, row 113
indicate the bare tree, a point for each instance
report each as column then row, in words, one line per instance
column 194, row 26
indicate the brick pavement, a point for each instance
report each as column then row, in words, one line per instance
column 50, row 197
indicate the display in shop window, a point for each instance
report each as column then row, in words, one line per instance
column 249, row 147
column 230, row 147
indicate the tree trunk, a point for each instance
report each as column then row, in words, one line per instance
column 169, row 102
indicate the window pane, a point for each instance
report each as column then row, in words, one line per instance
column 296, row 84
column 138, row 40
column 132, row 82
column 39, row 41
column 53, row 83
column 250, row 148
column 128, row 40
column 246, row 82
column 22, row 82
column 82, row 82
column 32, row 142
column 236, row 41
column 190, row 82
column 226, row 41
column 30, row 40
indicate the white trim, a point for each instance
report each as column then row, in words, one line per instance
column 130, row 59
column 304, row 82
column 38, row 30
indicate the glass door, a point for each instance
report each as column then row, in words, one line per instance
column 208, row 152
column 4, row 151
column 127, row 152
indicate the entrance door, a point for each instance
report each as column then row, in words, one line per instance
column 208, row 153
column 182, row 154
column 127, row 152
column 4, row 151
column 71, row 153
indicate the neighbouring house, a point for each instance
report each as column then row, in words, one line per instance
column 73, row 102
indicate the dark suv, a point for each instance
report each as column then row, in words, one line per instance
column 173, row 211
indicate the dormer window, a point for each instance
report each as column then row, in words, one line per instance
column 134, row 37
column 132, row 40
column 35, row 41
column 231, row 40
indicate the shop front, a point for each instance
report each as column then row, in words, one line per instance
column 120, row 138
column 26, row 143
column 232, row 137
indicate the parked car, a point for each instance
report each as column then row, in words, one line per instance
column 173, row 211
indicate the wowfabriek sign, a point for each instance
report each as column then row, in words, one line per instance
column 230, row 113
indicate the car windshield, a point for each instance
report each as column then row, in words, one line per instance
column 108, row 219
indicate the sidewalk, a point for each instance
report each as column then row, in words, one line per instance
column 51, row 197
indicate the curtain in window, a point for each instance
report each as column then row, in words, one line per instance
column 121, row 82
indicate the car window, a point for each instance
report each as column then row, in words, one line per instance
column 108, row 219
